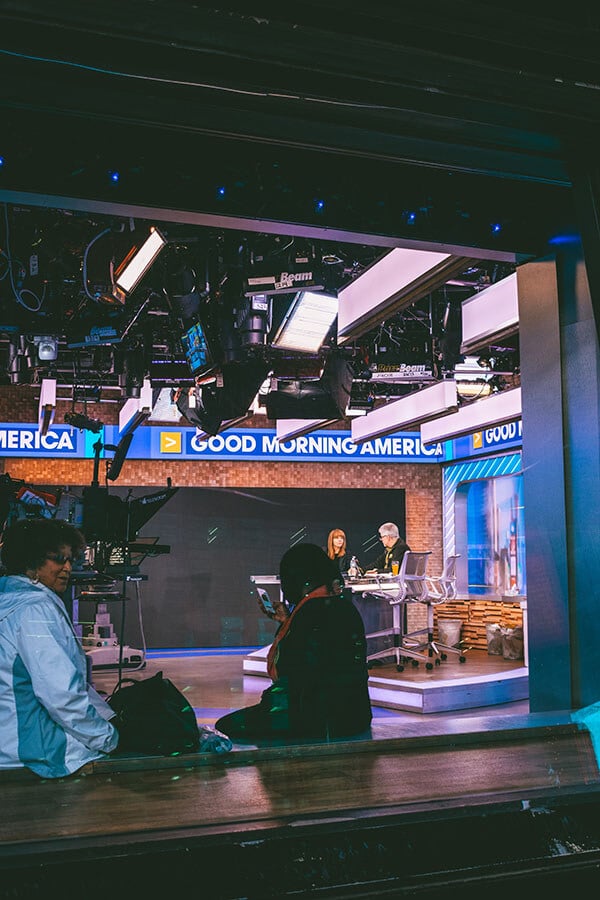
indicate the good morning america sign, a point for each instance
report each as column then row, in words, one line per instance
column 158, row 442
column 19, row 439
column 318, row 446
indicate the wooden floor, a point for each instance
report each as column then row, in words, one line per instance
column 409, row 769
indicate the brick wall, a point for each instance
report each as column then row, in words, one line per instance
column 422, row 482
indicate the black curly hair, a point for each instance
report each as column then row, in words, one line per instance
column 27, row 542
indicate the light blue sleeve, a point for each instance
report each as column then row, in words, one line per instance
column 50, row 653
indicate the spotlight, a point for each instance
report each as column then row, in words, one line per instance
column 325, row 399
column 475, row 389
column 84, row 423
column 136, row 264
column 361, row 398
column 47, row 347
column 300, row 269
column 131, row 379
column 229, row 396
column 18, row 361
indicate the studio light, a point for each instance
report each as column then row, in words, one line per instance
column 83, row 422
column 361, row 398
column 164, row 408
column 325, row 399
column 495, row 410
column 490, row 315
column 265, row 274
column 47, row 405
column 135, row 410
column 47, row 347
column 418, row 406
column 476, row 389
column 213, row 406
column 307, row 322
column 135, row 265
column 19, row 360
column 395, row 281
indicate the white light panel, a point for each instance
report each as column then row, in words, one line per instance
column 480, row 414
column 416, row 407
column 396, row 280
column 47, row 405
column 133, row 270
column 490, row 315
column 287, row 429
column 135, row 410
column 308, row 322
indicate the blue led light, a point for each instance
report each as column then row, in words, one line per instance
column 114, row 177
column 1, row 161
column 221, row 191
column 496, row 228
column 411, row 218
column 564, row 239
column 319, row 205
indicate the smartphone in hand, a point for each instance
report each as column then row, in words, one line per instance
column 265, row 601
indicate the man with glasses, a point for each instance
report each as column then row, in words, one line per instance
column 394, row 549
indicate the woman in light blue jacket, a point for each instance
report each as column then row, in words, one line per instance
column 51, row 720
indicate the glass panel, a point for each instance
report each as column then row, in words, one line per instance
column 491, row 535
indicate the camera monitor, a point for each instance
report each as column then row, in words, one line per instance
column 198, row 353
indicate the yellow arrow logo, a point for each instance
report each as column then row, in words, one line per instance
column 170, row 442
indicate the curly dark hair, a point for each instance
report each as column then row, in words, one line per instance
column 303, row 568
column 27, row 542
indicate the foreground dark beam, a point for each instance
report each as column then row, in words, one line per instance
column 353, row 819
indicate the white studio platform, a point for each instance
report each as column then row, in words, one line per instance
column 433, row 693
column 430, row 693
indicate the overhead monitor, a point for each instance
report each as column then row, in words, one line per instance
column 198, row 353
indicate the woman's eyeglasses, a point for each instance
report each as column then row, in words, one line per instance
column 59, row 558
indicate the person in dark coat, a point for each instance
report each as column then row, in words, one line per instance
column 317, row 660
column 394, row 548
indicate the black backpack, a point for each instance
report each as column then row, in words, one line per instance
column 154, row 717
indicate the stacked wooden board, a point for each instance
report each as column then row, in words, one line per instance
column 476, row 614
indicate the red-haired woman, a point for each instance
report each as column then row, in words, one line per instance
column 336, row 549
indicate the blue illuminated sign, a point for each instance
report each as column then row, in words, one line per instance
column 19, row 439
column 507, row 436
column 157, row 442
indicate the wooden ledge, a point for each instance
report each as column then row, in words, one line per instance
column 249, row 754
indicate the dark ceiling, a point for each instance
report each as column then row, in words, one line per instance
column 261, row 134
